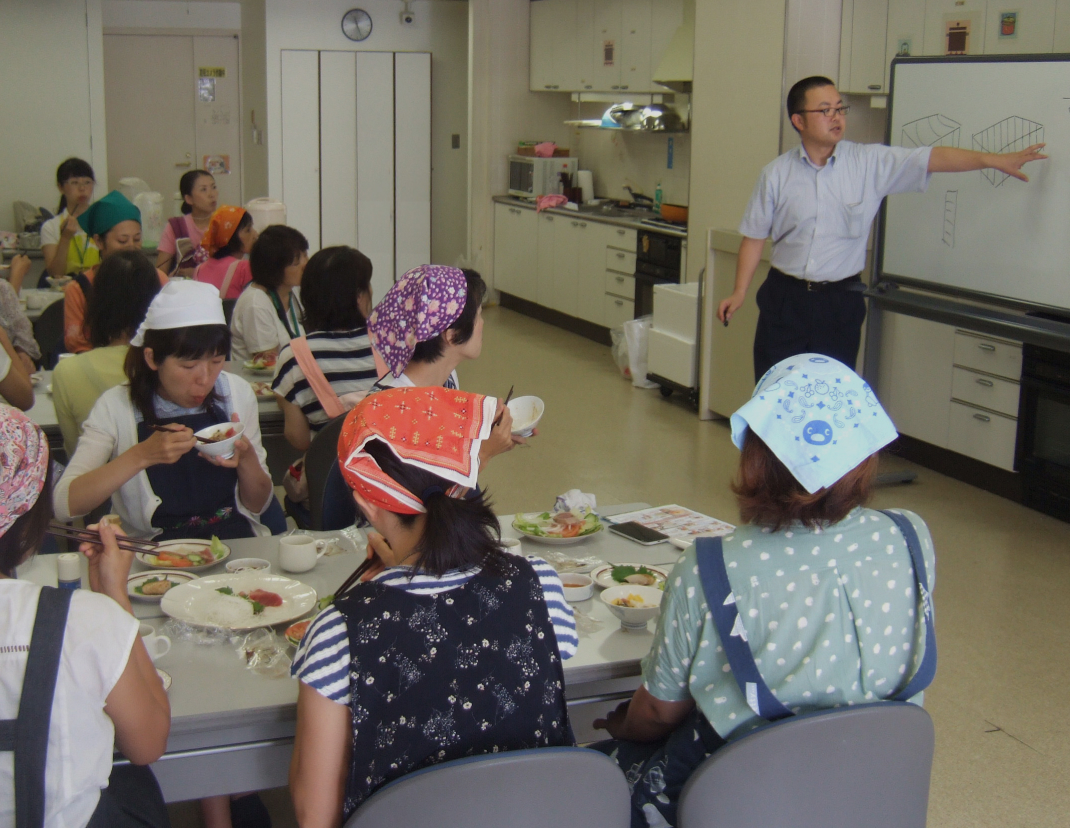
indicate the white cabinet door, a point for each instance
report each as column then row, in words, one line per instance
column 608, row 20
column 863, row 40
column 301, row 142
column 375, row 165
column 544, row 277
column 914, row 376
column 667, row 17
column 906, row 32
column 588, row 55
column 1029, row 29
column 526, row 253
column 566, row 253
column 1062, row 26
column 338, row 149
column 505, row 276
column 635, row 68
column 412, row 166
column 590, row 271
column 553, row 50
column 955, row 22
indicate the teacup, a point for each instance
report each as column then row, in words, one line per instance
column 299, row 553
column 157, row 645
column 35, row 301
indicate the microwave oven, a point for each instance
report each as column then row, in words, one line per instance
column 531, row 177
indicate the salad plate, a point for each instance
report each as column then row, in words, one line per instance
column 557, row 528
column 615, row 575
column 152, row 585
column 260, row 366
column 239, row 601
column 190, row 554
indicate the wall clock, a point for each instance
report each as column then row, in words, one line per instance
column 357, row 24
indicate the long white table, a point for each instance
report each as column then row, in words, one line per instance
column 232, row 729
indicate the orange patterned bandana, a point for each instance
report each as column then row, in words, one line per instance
column 224, row 222
column 436, row 429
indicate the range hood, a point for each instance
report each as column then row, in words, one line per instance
column 676, row 68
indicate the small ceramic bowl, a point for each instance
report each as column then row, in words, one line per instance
column 511, row 543
column 248, row 565
column 526, row 412
column 222, row 448
column 633, row 618
column 577, row 587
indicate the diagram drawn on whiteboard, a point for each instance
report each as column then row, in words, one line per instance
column 1009, row 135
column 932, row 131
column 951, row 208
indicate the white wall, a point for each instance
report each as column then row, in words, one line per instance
column 503, row 112
column 441, row 28
column 52, row 97
column 639, row 159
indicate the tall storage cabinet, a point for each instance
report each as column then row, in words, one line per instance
column 356, row 154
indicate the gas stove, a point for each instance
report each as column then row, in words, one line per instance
column 660, row 223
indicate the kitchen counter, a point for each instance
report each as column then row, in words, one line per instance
column 596, row 215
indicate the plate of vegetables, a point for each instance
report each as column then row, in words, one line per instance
column 191, row 555
column 151, row 586
column 614, row 575
column 260, row 365
column 559, row 528
column 239, row 601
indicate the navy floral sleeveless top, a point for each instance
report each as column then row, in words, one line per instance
column 464, row 672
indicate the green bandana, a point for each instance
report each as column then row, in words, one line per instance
column 104, row 214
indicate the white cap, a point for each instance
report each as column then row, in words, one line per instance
column 179, row 304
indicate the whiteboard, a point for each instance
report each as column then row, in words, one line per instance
column 984, row 232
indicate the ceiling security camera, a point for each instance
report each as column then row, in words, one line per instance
column 408, row 18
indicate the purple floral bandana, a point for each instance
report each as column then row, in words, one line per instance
column 23, row 465
column 418, row 307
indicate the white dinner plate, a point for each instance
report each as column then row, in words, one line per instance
column 603, row 576
column 558, row 541
column 201, row 604
column 138, row 579
column 180, row 546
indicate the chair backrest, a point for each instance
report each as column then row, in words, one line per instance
column 862, row 765
column 228, row 309
column 330, row 503
column 48, row 331
column 522, row 789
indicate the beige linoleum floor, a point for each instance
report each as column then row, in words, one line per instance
column 1003, row 572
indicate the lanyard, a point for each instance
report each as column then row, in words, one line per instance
column 293, row 332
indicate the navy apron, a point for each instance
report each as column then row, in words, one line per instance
column 198, row 496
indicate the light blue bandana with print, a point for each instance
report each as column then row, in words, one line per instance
column 817, row 416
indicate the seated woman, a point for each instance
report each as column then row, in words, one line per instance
column 13, row 319
column 107, row 694
column 429, row 322
column 268, row 315
column 229, row 237
column 337, row 343
column 125, row 285
column 66, row 247
column 833, row 601
column 137, row 444
column 199, row 198
column 410, row 628
column 114, row 224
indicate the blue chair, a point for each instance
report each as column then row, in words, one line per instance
column 863, row 765
column 542, row 788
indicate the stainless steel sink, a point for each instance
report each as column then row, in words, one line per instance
column 612, row 210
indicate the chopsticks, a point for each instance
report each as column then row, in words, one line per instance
column 62, row 530
column 167, row 430
column 508, row 397
column 352, row 579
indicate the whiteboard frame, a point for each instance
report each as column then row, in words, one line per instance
column 879, row 243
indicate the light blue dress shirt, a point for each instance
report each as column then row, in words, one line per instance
column 819, row 217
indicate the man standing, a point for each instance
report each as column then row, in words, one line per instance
column 817, row 202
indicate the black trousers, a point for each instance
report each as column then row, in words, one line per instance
column 131, row 800
column 794, row 320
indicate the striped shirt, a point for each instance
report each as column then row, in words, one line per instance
column 322, row 659
column 345, row 357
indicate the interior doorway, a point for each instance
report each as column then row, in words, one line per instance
column 171, row 104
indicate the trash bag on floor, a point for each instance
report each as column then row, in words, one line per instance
column 637, row 337
column 619, row 347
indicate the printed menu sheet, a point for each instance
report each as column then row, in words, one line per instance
column 676, row 522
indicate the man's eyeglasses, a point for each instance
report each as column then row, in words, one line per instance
column 829, row 111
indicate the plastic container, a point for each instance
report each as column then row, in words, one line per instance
column 266, row 211
column 132, row 187
column 151, row 206
column 676, row 310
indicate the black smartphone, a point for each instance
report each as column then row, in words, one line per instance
column 638, row 533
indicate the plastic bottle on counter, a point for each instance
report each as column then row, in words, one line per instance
column 657, row 197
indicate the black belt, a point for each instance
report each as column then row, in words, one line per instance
column 851, row 283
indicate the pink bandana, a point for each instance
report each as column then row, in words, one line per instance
column 23, row 465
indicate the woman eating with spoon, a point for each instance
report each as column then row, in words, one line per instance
column 137, row 446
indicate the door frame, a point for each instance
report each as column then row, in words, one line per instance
column 194, row 32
